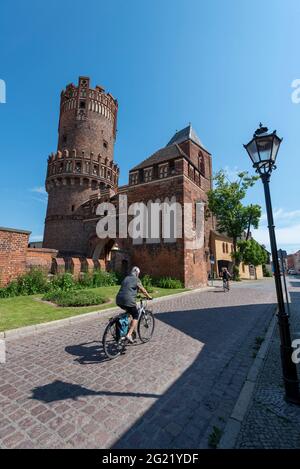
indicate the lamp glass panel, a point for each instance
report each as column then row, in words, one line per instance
column 252, row 150
column 276, row 143
column 265, row 145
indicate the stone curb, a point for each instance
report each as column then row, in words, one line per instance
column 235, row 421
column 104, row 313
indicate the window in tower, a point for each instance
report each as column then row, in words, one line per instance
column 64, row 138
column 78, row 168
column 95, row 170
column 82, row 104
column 105, row 144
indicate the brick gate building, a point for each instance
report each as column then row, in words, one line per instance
column 82, row 173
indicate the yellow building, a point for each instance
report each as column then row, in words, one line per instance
column 222, row 248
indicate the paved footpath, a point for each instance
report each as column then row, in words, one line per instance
column 57, row 390
column 270, row 421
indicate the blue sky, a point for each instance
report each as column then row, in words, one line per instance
column 222, row 65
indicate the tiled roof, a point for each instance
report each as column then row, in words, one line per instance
column 172, row 150
column 188, row 133
column 160, row 156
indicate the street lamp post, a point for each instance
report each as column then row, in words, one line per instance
column 263, row 149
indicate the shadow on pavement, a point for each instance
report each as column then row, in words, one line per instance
column 59, row 390
column 87, row 353
column 180, row 416
column 191, row 401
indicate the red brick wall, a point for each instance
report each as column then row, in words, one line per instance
column 40, row 258
column 196, row 266
column 13, row 248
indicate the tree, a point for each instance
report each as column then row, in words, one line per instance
column 233, row 218
column 252, row 253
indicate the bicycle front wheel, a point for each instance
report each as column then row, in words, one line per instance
column 113, row 345
column 145, row 327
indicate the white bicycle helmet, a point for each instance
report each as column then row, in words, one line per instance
column 135, row 271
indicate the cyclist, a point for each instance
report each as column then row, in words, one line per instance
column 226, row 276
column 126, row 298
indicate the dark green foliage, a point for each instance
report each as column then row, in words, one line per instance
column 147, row 282
column 75, row 298
column 36, row 282
column 214, row 437
column 30, row 283
column 168, row 282
column 233, row 218
column 64, row 282
column 252, row 252
column 104, row 279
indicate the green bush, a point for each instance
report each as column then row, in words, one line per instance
column 147, row 282
column 236, row 273
column 104, row 279
column 75, row 298
column 64, row 282
column 33, row 282
column 86, row 280
column 9, row 291
column 168, row 282
column 30, row 283
column 36, row 281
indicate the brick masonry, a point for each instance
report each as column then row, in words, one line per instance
column 13, row 249
column 58, row 391
column 40, row 258
column 82, row 173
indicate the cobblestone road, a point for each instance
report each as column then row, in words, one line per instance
column 270, row 421
column 57, row 390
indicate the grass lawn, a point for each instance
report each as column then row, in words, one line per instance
column 26, row 310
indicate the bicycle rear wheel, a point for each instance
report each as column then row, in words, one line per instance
column 113, row 345
column 145, row 327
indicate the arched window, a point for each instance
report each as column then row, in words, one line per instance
column 226, row 248
column 223, row 246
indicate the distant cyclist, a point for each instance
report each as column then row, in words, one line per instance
column 126, row 298
column 226, row 276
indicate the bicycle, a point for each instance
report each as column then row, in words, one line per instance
column 114, row 344
column 225, row 285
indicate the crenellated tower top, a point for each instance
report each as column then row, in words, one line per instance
column 88, row 119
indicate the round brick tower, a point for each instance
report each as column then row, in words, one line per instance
column 83, row 165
